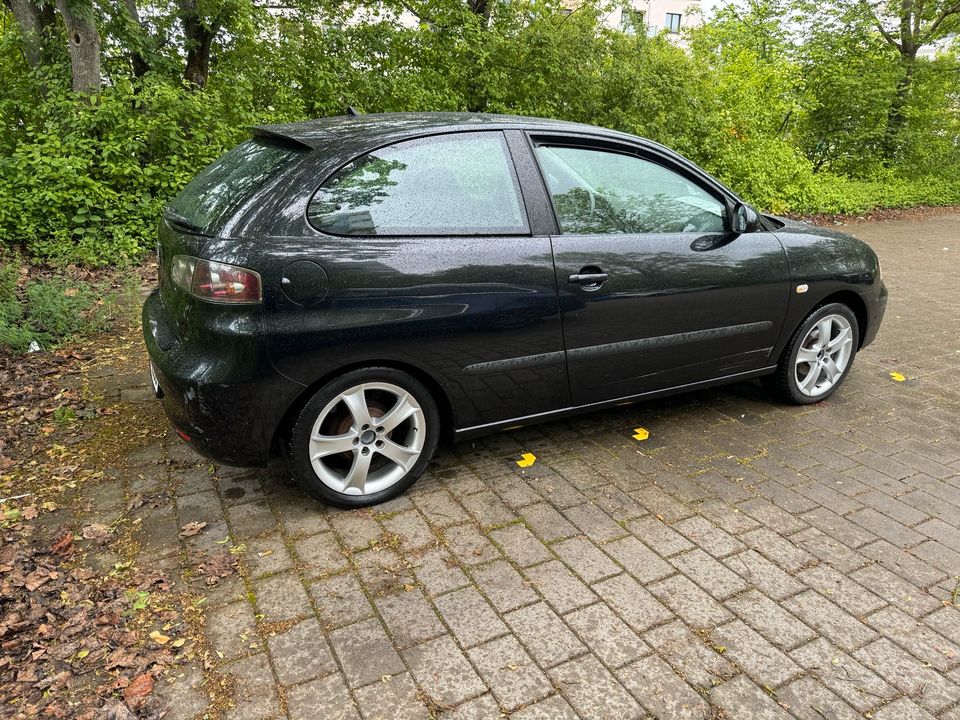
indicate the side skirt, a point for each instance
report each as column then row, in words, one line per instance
column 518, row 422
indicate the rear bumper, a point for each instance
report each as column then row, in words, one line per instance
column 217, row 385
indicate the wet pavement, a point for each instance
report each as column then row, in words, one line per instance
column 747, row 560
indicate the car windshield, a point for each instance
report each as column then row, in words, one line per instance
column 211, row 197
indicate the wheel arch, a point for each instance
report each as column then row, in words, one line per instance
column 853, row 301
column 439, row 394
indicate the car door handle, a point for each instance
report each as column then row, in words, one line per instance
column 594, row 278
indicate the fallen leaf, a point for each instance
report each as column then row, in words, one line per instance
column 159, row 638
column 136, row 693
column 192, row 528
column 97, row 532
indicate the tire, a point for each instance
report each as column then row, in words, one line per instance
column 808, row 373
column 349, row 450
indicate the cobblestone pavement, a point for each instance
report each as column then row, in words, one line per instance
column 748, row 560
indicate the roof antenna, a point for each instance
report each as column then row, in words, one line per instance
column 352, row 111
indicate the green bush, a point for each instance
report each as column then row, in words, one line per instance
column 51, row 311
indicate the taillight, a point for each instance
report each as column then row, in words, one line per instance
column 214, row 281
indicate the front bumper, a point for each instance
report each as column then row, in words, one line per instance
column 216, row 382
column 875, row 311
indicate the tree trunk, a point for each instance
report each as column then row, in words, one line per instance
column 83, row 43
column 895, row 116
column 138, row 55
column 34, row 21
column 199, row 38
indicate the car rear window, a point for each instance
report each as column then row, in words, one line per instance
column 219, row 189
column 458, row 184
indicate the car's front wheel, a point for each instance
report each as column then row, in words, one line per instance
column 819, row 355
column 364, row 437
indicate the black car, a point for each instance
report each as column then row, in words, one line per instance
column 347, row 291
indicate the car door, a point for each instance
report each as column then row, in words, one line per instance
column 654, row 291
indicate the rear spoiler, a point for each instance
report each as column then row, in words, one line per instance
column 277, row 134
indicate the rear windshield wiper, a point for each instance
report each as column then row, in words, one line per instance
column 183, row 223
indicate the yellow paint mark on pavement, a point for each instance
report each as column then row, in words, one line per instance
column 640, row 433
column 899, row 377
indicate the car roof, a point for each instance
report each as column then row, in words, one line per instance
column 375, row 128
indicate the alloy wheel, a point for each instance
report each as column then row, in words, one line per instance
column 367, row 438
column 823, row 355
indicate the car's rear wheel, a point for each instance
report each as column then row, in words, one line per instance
column 819, row 355
column 364, row 437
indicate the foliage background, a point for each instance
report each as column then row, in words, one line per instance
column 798, row 107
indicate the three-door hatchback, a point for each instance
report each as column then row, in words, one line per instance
column 348, row 291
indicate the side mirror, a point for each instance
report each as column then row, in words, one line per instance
column 744, row 219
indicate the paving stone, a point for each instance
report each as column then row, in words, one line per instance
column 847, row 593
column 469, row 616
column 281, row 597
column 559, row 586
column 764, row 663
column 633, row 603
column 340, row 600
column 325, row 697
column 181, row 689
column 829, row 620
column 481, row 708
column 382, row 571
column 660, row 537
column 762, row 574
column 608, row 637
column 545, row 635
column 504, row 587
column 925, row 685
column 903, row 563
column 727, row 517
column 809, row 700
column 356, row 529
column 885, row 527
column 593, row 691
column 251, row 519
column 688, row 655
column 510, row 673
column 945, row 621
column 771, row 620
column 546, row 523
column 320, row 554
column 439, row 572
column 778, row 550
column 741, row 698
column 440, row 509
column 661, row 691
column 902, row 709
column 856, row 684
column 231, row 631
column 469, row 545
column 521, row 545
column 594, row 523
column 257, row 696
column 638, row 560
column 392, row 698
column 709, row 574
column 301, row 653
column 829, row 550
column 917, row 638
column 772, row 516
column 553, row 708
column 692, row 604
column 365, row 652
column 411, row 529
column 409, row 618
column 266, row 556
column 586, row 559
column 708, row 536
column 443, row 671
column 487, row 509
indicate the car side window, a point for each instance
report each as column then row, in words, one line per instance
column 460, row 184
column 599, row 192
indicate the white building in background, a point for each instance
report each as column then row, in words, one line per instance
column 655, row 16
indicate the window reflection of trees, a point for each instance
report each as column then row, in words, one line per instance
column 343, row 206
column 584, row 213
